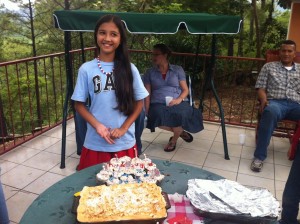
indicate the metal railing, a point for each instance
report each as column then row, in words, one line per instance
column 32, row 90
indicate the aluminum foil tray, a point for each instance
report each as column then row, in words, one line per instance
column 230, row 201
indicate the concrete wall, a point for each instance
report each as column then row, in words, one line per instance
column 294, row 24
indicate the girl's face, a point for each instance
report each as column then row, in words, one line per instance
column 108, row 38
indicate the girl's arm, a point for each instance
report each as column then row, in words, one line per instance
column 119, row 132
column 102, row 130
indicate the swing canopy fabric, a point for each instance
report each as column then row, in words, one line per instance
column 150, row 23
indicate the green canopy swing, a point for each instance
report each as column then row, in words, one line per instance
column 149, row 23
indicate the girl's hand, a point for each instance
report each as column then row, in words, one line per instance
column 104, row 132
column 117, row 132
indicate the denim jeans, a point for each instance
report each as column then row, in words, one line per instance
column 139, row 127
column 277, row 110
column 3, row 209
column 291, row 193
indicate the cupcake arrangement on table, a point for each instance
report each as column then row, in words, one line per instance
column 129, row 191
column 125, row 170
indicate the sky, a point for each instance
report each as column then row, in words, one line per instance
column 9, row 5
column 12, row 6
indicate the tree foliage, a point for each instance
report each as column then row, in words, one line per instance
column 262, row 28
column 16, row 25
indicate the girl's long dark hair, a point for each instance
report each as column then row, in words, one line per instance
column 123, row 78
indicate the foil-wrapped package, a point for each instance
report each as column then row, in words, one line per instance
column 229, row 197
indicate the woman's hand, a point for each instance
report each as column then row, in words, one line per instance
column 105, row 133
column 175, row 102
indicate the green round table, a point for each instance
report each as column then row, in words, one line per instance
column 54, row 205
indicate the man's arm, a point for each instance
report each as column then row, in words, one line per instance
column 262, row 98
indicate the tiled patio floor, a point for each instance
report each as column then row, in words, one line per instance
column 31, row 168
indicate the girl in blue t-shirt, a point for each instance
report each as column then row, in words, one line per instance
column 116, row 92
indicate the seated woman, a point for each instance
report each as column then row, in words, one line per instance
column 165, row 79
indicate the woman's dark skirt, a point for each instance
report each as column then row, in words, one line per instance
column 184, row 115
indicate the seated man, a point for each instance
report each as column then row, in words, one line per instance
column 3, row 209
column 278, row 89
column 178, row 117
column 291, row 193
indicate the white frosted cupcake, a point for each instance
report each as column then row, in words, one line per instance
column 128, row 170
column 131, row 179
column 147, row 160
column 115, row 162
column 124, row 178
column 139, row 172
column 159, row 177
column 116, row 181
column 150, row 166
column 148, row 179
column 152, row 181
column 110, row 181
column 103, row 175
column 139, row 166
column 105, row 166
column 110, row 168
column 117, row 174
column 136, row 160
column 125, row 159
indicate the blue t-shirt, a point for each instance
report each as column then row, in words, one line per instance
column 92, row 82
column 160, row 88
